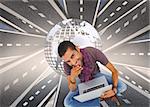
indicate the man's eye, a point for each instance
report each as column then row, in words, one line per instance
column 72, row 56
column 68, row 61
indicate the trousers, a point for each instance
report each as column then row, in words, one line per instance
column 69, row 101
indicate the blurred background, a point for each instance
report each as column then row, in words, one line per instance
column 26, row 78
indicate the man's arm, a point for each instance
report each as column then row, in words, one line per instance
column 114, row 74
column 99, row 56
column 112, row 92
column 71, row 83
column 75, row 71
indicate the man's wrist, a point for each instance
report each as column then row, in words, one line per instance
column 115, row 90
column 72, row 80
column 114, row 86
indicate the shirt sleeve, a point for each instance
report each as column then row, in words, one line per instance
column 67, row 68
column 100, row 57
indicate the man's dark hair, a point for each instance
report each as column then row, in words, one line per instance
column 63, row 46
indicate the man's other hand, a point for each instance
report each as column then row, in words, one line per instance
column 107, row 94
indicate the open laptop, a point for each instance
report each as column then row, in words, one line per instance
column 92, row 89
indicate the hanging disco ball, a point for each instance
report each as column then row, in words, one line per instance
column 81, row 33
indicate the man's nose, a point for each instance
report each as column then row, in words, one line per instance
column 73, row 62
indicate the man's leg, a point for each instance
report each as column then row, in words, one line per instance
column 121, row 85
column 69, row 101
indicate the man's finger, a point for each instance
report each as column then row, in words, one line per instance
column 102, row 96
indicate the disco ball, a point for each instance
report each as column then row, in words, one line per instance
column 81, row 33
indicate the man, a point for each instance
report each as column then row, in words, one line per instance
column 81, row 63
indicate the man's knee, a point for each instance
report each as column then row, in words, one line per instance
column 122, row 87
column 66, row 102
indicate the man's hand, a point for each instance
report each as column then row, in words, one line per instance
column 75, row 71
column 108, row 94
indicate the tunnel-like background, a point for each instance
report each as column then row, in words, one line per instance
column 26, row 79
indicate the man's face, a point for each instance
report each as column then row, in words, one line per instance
column 73, row 57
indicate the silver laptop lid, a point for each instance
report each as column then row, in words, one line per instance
column 92, row 85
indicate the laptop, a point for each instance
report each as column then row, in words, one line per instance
column 92, row 89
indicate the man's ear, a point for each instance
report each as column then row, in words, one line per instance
column 77, row 48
